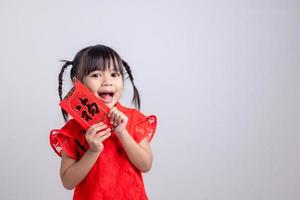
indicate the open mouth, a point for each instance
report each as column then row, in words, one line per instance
column 107, row 97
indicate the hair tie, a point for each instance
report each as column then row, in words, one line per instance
column 67, row 62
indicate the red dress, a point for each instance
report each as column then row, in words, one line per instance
column 113, row 176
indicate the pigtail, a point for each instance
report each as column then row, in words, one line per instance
column 136, row 96
column 60, row 82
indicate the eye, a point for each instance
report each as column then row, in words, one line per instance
column 96, row 75
column 115, row 74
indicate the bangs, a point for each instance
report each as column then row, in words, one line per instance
column 100, row 58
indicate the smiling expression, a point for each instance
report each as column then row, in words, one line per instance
column 106, row 85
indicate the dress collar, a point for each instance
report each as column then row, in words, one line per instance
column 119, row 106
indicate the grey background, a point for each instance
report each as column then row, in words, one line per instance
column 222, row 77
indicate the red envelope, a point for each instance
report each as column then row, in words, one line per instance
column 84, row 106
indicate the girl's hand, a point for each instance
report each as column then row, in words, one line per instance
column 118, row 120
column 95, row 135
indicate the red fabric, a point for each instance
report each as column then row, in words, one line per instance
column 113, row 176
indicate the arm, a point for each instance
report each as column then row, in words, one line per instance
column 72, row 172
column 140, row 154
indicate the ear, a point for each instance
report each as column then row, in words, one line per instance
column 74, row 79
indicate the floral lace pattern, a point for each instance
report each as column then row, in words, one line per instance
column 145, row 128
column 61, row 142
column 113, row 176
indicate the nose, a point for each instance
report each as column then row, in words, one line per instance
column 107, row 81
column 106, row 84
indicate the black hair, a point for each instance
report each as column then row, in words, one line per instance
column 98, row 57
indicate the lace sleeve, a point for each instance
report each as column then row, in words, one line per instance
column 146, row 127
column 62, row 140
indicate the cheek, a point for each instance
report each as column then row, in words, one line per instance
column 120, row 85
column 120, row 88
column 90, row 84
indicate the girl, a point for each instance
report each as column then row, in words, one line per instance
column 104, row 163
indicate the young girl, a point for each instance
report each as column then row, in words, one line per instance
column 104, row 163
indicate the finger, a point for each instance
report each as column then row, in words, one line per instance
column 100, row 129
column 104, row 137
column 119, row 119
column 113, row 117
column 111, row 111
column 101, row 133
column 96, row 127
column 91, row 127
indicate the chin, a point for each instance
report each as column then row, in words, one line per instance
column 110, row 105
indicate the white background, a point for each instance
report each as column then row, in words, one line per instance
column 223, row 78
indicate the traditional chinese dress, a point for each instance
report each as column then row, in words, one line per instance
column 113, row 176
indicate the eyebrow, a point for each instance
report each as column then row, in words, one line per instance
column 110, row 70
column 96, row 71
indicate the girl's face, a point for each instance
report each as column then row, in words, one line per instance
column 106, row 85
